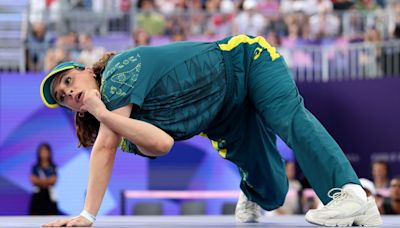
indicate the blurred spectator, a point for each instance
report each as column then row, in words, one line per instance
column 249, row 21
column 178, row 35
column 382, row 3
column 380, row 175
column 221, row 24
column 366, row 5
column 176, row 24
column 37, row 43
column 197, row 18
column 323, row 6
column 72, row 45
column 274, row 39
column 44, row 10
column 212, row 6
column 57, row 54
column 166, row 7
column 293, row 6
column 268, row 7
column 43, row 178
column 342, row 4
column 391, row 205
column 125, row 8
column 353, row 25
column 90, row 53
column 293, row 32
column 149, row 19
column 324, row 25
column 140, row 38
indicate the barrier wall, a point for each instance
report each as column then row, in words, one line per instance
column 363, row 116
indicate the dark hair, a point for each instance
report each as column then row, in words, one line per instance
column 48, row 148
column 87, row 126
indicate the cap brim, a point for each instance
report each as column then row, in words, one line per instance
column 45, row 88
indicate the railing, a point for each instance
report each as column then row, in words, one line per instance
column 337, row 62
column 12, row 30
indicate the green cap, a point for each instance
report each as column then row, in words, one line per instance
column 45, row 88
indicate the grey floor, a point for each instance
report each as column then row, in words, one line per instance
column 177, row 221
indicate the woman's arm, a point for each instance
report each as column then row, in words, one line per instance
column 100, row 168
column 37, row 181
column 151, row 140
column 43, row 182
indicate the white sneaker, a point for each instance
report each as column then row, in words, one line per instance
column 247, row 211
column 346, row 209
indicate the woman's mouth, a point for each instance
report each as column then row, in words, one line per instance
column 79, row 96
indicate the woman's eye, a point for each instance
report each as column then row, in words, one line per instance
column 68, row 80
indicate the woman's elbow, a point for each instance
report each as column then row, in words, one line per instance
column 165, row 146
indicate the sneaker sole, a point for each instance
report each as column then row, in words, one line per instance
column 363, row 220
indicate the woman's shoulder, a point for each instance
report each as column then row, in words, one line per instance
column 122, row 62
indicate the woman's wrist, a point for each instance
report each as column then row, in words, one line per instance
column 88, row 216
column 101, row 114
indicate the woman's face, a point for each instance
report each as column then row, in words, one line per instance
column 69, row 88
column 44, row 154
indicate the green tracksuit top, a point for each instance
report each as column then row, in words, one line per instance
column 179, row 87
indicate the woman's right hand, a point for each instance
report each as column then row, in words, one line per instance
column 93, row 104
column 71, row 222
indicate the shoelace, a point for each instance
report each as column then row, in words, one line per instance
column 336, row 197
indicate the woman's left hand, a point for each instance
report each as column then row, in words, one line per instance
column 70, row 222
column 92, row 103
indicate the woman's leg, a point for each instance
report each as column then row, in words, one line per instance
column 261, row 167
column 277, row 100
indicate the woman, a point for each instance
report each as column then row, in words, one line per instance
column 43, row 177
column 238, row 92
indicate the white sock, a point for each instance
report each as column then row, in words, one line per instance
column 357, row 189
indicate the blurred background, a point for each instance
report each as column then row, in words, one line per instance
column 345, row 59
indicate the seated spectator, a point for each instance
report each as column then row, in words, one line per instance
column 269, row 7
column 221, row 24
column 58, row 54
column 342, row 4
column 178, row 35
column 140, row 38
column 380, row 175
column 38, row 41
column 273, row 39
column 391, row 205
column 212, row 6
column 149, row 19
column 43, row 178
column 90, row 53
column 366, row 5
column 249, row 21
column 72, row 44
column 324, row 25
